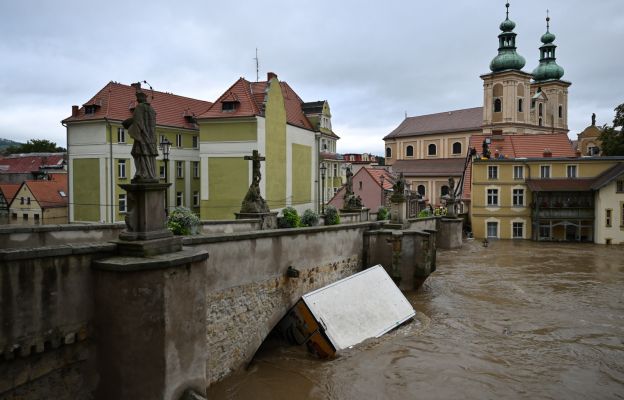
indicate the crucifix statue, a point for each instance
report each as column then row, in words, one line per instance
column 253, row 201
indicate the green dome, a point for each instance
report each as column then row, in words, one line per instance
column 547, row 70
column 507, row 25
column 507, row 59
column 548, row 37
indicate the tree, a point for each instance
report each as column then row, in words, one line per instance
column 612, row 140
column 35, row 146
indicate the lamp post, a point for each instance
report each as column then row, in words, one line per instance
column 165, row 145
column 382, row 190
column 323, row 170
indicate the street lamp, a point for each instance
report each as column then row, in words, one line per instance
column 165, row 145
column 382, row 190
column 323, row 171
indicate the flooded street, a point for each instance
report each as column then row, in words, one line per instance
column 516, row 320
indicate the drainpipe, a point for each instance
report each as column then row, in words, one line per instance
column 69, row 182
column 317, row 138
column 110, row 170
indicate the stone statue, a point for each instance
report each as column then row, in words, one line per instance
column 349, row 181
column 451, row 182
column 593, row 119
column 399, row 185
column 486, row 149
column 451, row 202
column 142, row 128
column 253, row 201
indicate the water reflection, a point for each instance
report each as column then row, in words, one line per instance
column 514, row 320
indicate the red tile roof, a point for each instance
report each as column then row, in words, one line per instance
column 377, row 173
column 48, row 193
column 9, row 190
column 529, row 146
column 560, row 185
column 115, row 101
column 26, row 163
column 251, row 96
column 469, row 119
column 435, row 167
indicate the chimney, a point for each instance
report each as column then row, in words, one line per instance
column 578, row 153
column 136, row 86
column 75, row 111
column 271, row 75
column 547, row 153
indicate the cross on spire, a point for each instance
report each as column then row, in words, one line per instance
column 547, row 19
column 507, row 5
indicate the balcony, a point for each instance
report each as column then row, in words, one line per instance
column 565, row 213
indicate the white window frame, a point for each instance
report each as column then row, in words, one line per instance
column 487, row 197
column 179, row 199
column 179, row 169
column 196, row 199
column 435, row 154
column 492, row 172
column 195, row 142
column 453, row 148
column 575, row 169
column 179, row 140
column 122, row 203
column 519, row 168
column 543, row 168
column 487, row 227
column 121, row 169
column 513, row 229
column 514, row 196
column 162, row 171
column 195, row 169
column 121, row 135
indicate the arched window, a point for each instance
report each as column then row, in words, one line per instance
column 457, row 148
column 421, row 190
column 498, row 105
column 520, row 105
column 409, row 151
column 444, row 190
column 539, row 109
column 388, row 152
column 560, row 111
column 432, row 150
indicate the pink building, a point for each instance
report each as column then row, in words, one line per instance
column 367, row 183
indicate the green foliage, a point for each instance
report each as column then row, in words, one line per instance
column 382, row 214
column 290, row 218
column 612, row 141
column 331, row 216
column 619, row 116
column 35, row 146
column 309, row 218
column 424, row 213
column 182, row 221
column 440, row 212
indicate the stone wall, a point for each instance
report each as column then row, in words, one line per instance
column 21, row 237
column 220, row 227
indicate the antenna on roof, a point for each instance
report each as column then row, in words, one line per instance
column 257, row 65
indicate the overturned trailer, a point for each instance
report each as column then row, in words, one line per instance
column 347, row 312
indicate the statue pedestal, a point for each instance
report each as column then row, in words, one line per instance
column 398, row 211
column 268, row 219
column 146, row 231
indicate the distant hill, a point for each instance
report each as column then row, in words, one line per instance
column 5, row 143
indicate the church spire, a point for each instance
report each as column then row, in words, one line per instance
column 547, row 68
column 507, row 58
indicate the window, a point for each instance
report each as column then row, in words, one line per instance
column 409, row 151
column 28, row 200
column 560, row 111
column 122, row 203
column 14, row 216
column 540, row 121
column 228, row 106
column 518, row 197
column 444, row 190
column 335, row 167
column 179, row 140
column 520, row 105
column 121, row 135
column 21, row 200
column 492, row 197
column 62, row 193
column 179, row 169
column 622, row 214
column 360, row 185
column 571, row 170
column 593, row 150
column 195, row 142
column 498, row 105
column 195, row 199
column 517, row 230
column 608, row 217
column 179, row 199
column 492, row 171
column 25, row 217
column 121, row 169
column 540, row 110
column 388, row 152
column 195, row 169
column 162, row 138
column 36, row 217
column 545, row 171
column 457, row 148
column 432, row 150
column 619, row 186
column 518, row 172
column 492, row 229
column 421, row 190
column 162, row 172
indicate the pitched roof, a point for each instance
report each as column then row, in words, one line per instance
column 48, row 193
column 251, row 98
column 26, row 163
column 9, row 190
column 560, row 185
column 468, row 119
column 377, row 173
column 435, row 167
column 526, row 146
column 608, row 176
column 115, row 102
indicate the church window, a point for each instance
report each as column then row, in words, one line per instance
column 444, row 190
column 457, row 148
column 498, row 105
column 409, row 151
column 520, row 105
column 560, row 111
column 540, row 121
column 388, row 152
column 540, row 110
column 421, row 190
column 432, row 150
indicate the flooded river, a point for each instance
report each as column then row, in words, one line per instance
column 515, row 320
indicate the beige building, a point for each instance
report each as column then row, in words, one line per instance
column 610, row 206
column 41, row 202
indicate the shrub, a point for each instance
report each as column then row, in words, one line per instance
column 182, row 221
column 440, row 212
column 331, row 216
column 309, row 218
column 290, row 218
column 424, row 213
column 382, row 213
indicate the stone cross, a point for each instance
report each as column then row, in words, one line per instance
column 255, row 158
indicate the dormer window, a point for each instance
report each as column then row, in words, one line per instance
column 91, row 109
column 228, row 106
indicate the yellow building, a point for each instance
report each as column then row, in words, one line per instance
column 40, row 202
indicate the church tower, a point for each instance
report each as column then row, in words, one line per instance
column 549, row 93
column 507, row 89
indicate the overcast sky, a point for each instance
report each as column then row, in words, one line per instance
column 373, row 61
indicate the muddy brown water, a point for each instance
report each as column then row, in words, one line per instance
column 515, row 320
